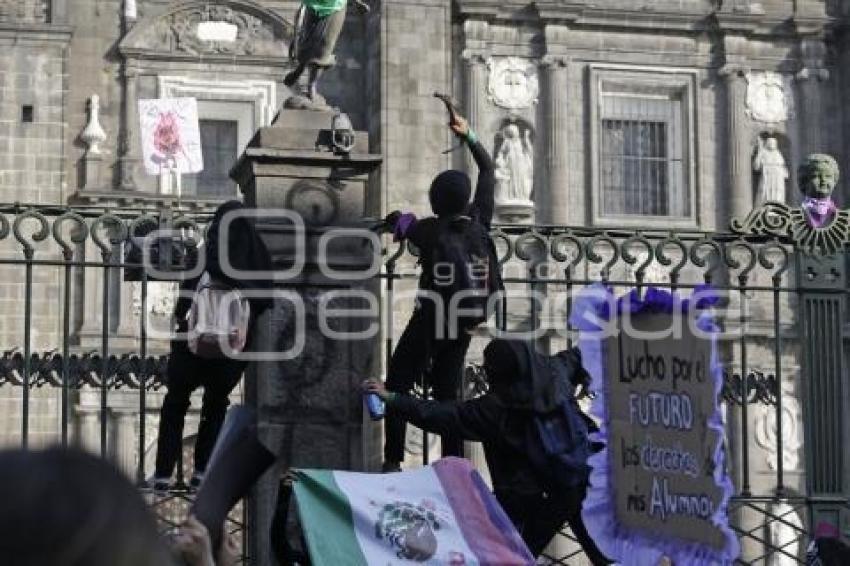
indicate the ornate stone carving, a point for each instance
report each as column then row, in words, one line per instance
column 818, row 226
column 792, row 433
column 93, row 134
column 768, row 100
column 178, row 32
column 513, row 83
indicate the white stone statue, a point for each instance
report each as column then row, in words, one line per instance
column 514, row 167
column 774, row 173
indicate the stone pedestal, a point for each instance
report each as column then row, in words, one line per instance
column 309, row 407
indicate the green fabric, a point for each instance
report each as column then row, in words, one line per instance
column 323, row 508
column 471, row 137
column 324, row 8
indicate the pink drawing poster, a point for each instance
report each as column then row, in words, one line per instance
column 171, row 138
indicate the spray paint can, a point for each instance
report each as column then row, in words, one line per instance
column 374, row 405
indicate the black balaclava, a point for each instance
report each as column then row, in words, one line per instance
column 501, row 363
column 450, row 193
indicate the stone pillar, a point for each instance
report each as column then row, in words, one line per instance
column 123, row 440
column 309, row 407
column 88, row 423
column 474, row 77
column 811, row 79
column 559, row 210
column 130, row 134
column 475, row 89
column 740, row 195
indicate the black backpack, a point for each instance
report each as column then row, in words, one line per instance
column 464, row 261
column 560, row 446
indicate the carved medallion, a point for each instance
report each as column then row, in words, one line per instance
column 767, row 98
column 513, row 83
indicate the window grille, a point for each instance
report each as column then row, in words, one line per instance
column 641, row 154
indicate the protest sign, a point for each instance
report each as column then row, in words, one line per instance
column 171, row 138
column 659, row 487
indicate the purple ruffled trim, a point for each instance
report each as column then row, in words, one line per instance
column 592, row 311
column 403, row 226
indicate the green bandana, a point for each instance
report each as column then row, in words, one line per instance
column 324, row 8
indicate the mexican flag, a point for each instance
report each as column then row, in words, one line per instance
column 440, row 514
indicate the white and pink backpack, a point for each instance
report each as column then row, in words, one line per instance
column 218, row 320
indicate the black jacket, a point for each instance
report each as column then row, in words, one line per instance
column 503, row 432
column 425, row 232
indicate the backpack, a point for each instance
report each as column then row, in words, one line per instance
column 219, row 316
column 562, row 435
column 561, row 445
column 464, row 261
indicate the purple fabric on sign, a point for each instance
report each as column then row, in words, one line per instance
column 402, row 227
column 592, row 315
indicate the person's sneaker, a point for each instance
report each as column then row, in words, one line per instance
column 159, row 485
column 196, row 480
column 391, row 467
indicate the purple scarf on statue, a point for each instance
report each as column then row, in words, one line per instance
column 820, row 211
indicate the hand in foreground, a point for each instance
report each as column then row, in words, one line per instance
column 459, row 125
column 229, row 553
column 377, row 387
column 192, row 542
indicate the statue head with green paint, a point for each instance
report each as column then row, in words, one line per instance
column 818, row 176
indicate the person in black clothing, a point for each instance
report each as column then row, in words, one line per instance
column 424, row 346
column 186, row 371
column 502, row 420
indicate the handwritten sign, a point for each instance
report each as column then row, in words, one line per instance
column 659, row 487
column 171, row 138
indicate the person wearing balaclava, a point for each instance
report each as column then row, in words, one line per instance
column 521, row 384
column 187, row 372
column 434, row 338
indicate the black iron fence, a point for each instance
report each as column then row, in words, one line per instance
column 782, row 313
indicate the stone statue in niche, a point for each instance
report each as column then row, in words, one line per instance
column 514, row 166
column 770, row 164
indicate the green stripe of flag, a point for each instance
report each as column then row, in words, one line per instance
column 325, row 509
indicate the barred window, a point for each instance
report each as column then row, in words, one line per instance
column 642, row 150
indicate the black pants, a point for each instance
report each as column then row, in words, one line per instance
column 187, row 372
column 419, row 352
column 538, row 518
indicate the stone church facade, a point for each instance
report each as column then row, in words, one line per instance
column 610, row 114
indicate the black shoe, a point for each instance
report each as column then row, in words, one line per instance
column 391, row 467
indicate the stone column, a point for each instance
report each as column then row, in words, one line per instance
column 475, row 97
column 130, row 134
column 123, row 440
column 309, row 407
column 560, row 210
column 811, row 79
column 740, row 197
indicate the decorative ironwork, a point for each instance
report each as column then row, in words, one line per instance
column 125, row 371
column 793, row 225
column 760, row 388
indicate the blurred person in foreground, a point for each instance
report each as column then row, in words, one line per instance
column 64, row 507
column 67, row 508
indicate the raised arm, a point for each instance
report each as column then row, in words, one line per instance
column 483, row 202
